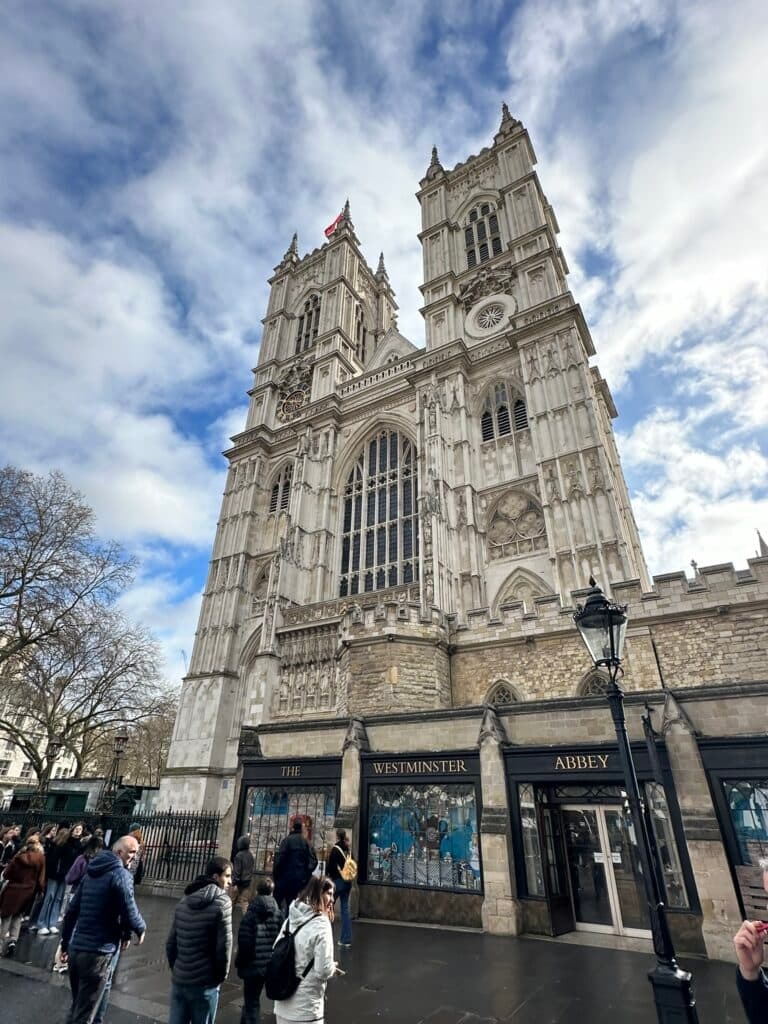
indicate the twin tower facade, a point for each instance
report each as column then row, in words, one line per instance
column 403, row 529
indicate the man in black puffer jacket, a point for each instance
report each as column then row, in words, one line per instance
column 255, row 939
column 294, row 864
column 199, row 945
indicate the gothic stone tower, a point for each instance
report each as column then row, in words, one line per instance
column 381, row 493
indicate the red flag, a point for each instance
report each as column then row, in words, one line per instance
column 332, row 227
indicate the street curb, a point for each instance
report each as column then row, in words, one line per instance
column 131, row 1004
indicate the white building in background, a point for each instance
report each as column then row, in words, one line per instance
column 15, row 768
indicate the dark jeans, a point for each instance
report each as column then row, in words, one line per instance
column 343, row 889
column 252, row 995
column 193, row 1004
column 87, row 974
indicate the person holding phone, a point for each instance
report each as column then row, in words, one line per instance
column 751, row 979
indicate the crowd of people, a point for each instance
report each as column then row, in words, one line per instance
column 58, row 878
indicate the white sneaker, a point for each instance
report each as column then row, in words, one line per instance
column 54, row 930
column 43, row 931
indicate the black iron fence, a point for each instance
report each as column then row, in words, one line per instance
column 175, row 845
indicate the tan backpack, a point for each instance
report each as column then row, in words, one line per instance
column 349, row 871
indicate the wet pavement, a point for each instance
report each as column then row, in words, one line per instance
column 397, row 975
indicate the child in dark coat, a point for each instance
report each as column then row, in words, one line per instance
column 255, row 939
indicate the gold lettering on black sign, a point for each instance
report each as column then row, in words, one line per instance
column 581, row 762
column 290, row 771
column 439, row 766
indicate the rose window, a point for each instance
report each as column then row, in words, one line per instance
column 490, row 316
column 516, row 526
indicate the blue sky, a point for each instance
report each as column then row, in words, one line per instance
column 157, row 159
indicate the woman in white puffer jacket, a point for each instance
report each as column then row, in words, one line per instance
column 314, row 943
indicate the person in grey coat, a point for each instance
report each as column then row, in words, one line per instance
column 199, row 945
column 255, row 939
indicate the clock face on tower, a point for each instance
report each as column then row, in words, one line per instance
column 293, row 403
column 293, row 391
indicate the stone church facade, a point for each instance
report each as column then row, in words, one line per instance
column 386, row 638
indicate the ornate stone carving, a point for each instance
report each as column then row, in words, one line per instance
column 293, row 390
column 490, row 729
column 574, row 481
column 552, row 484
column 356, row 736
column 516, row 526
column 487, row 281
column 595, row 473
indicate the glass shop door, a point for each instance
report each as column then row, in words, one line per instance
column 604, row 870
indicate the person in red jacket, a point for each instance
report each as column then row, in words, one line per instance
column 751, row 979
column 25, row 875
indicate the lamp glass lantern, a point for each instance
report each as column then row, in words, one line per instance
column 603, row 627
column 121, row 742
column 54, row 748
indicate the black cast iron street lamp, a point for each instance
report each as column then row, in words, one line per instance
column 603, row 626
column 108, row 794
column 39, row 798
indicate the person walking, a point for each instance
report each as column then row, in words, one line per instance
column 256, row 937
column 751, row 979
column 310, row 917
column 98, row 923
column 199, row 945
column 294, row 864
column 48, row 834
column 25, row 877
column 242, row 872
column 73, row 879
column 339, row 856
column 58, row 862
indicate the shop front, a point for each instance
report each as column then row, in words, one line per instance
column 737, row 771
column 419, row 838
column 275, row 794
column 577, row 861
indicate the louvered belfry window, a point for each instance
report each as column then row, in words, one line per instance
column 380, row 526
column 309, row 324
column 281, row 490
column 495, row 420
column 482, row 238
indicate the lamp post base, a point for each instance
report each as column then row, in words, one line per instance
column 673, row 995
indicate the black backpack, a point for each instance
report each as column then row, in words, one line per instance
column 281, row 980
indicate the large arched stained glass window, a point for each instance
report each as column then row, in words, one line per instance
column 380, row 529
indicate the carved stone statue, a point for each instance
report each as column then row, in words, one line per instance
column 491, row 730
column 356, row 736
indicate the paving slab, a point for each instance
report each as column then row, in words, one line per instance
column 398, row 975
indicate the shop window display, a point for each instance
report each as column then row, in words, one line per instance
column 271, row 810
column 748, row 805
column 674, row 883
column 424, row 835
column 534, row 872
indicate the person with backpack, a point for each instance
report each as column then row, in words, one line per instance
column 342, row 870
column 242, row 872
column 258, row 930
column 294, row 864
column 199, row 945
column 302, row 960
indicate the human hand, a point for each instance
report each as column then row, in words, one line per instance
column 748, row 942
column 140, row 939
column 63, row 957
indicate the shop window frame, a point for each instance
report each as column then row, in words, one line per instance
column 517, row 773
column 724, row 760
column 321, row 773
column 471, row 777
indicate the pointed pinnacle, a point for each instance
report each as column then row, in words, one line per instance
column 381, row 269
column 294, row 246
column 435, row 161
column 346, row 209
column 505, row 114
